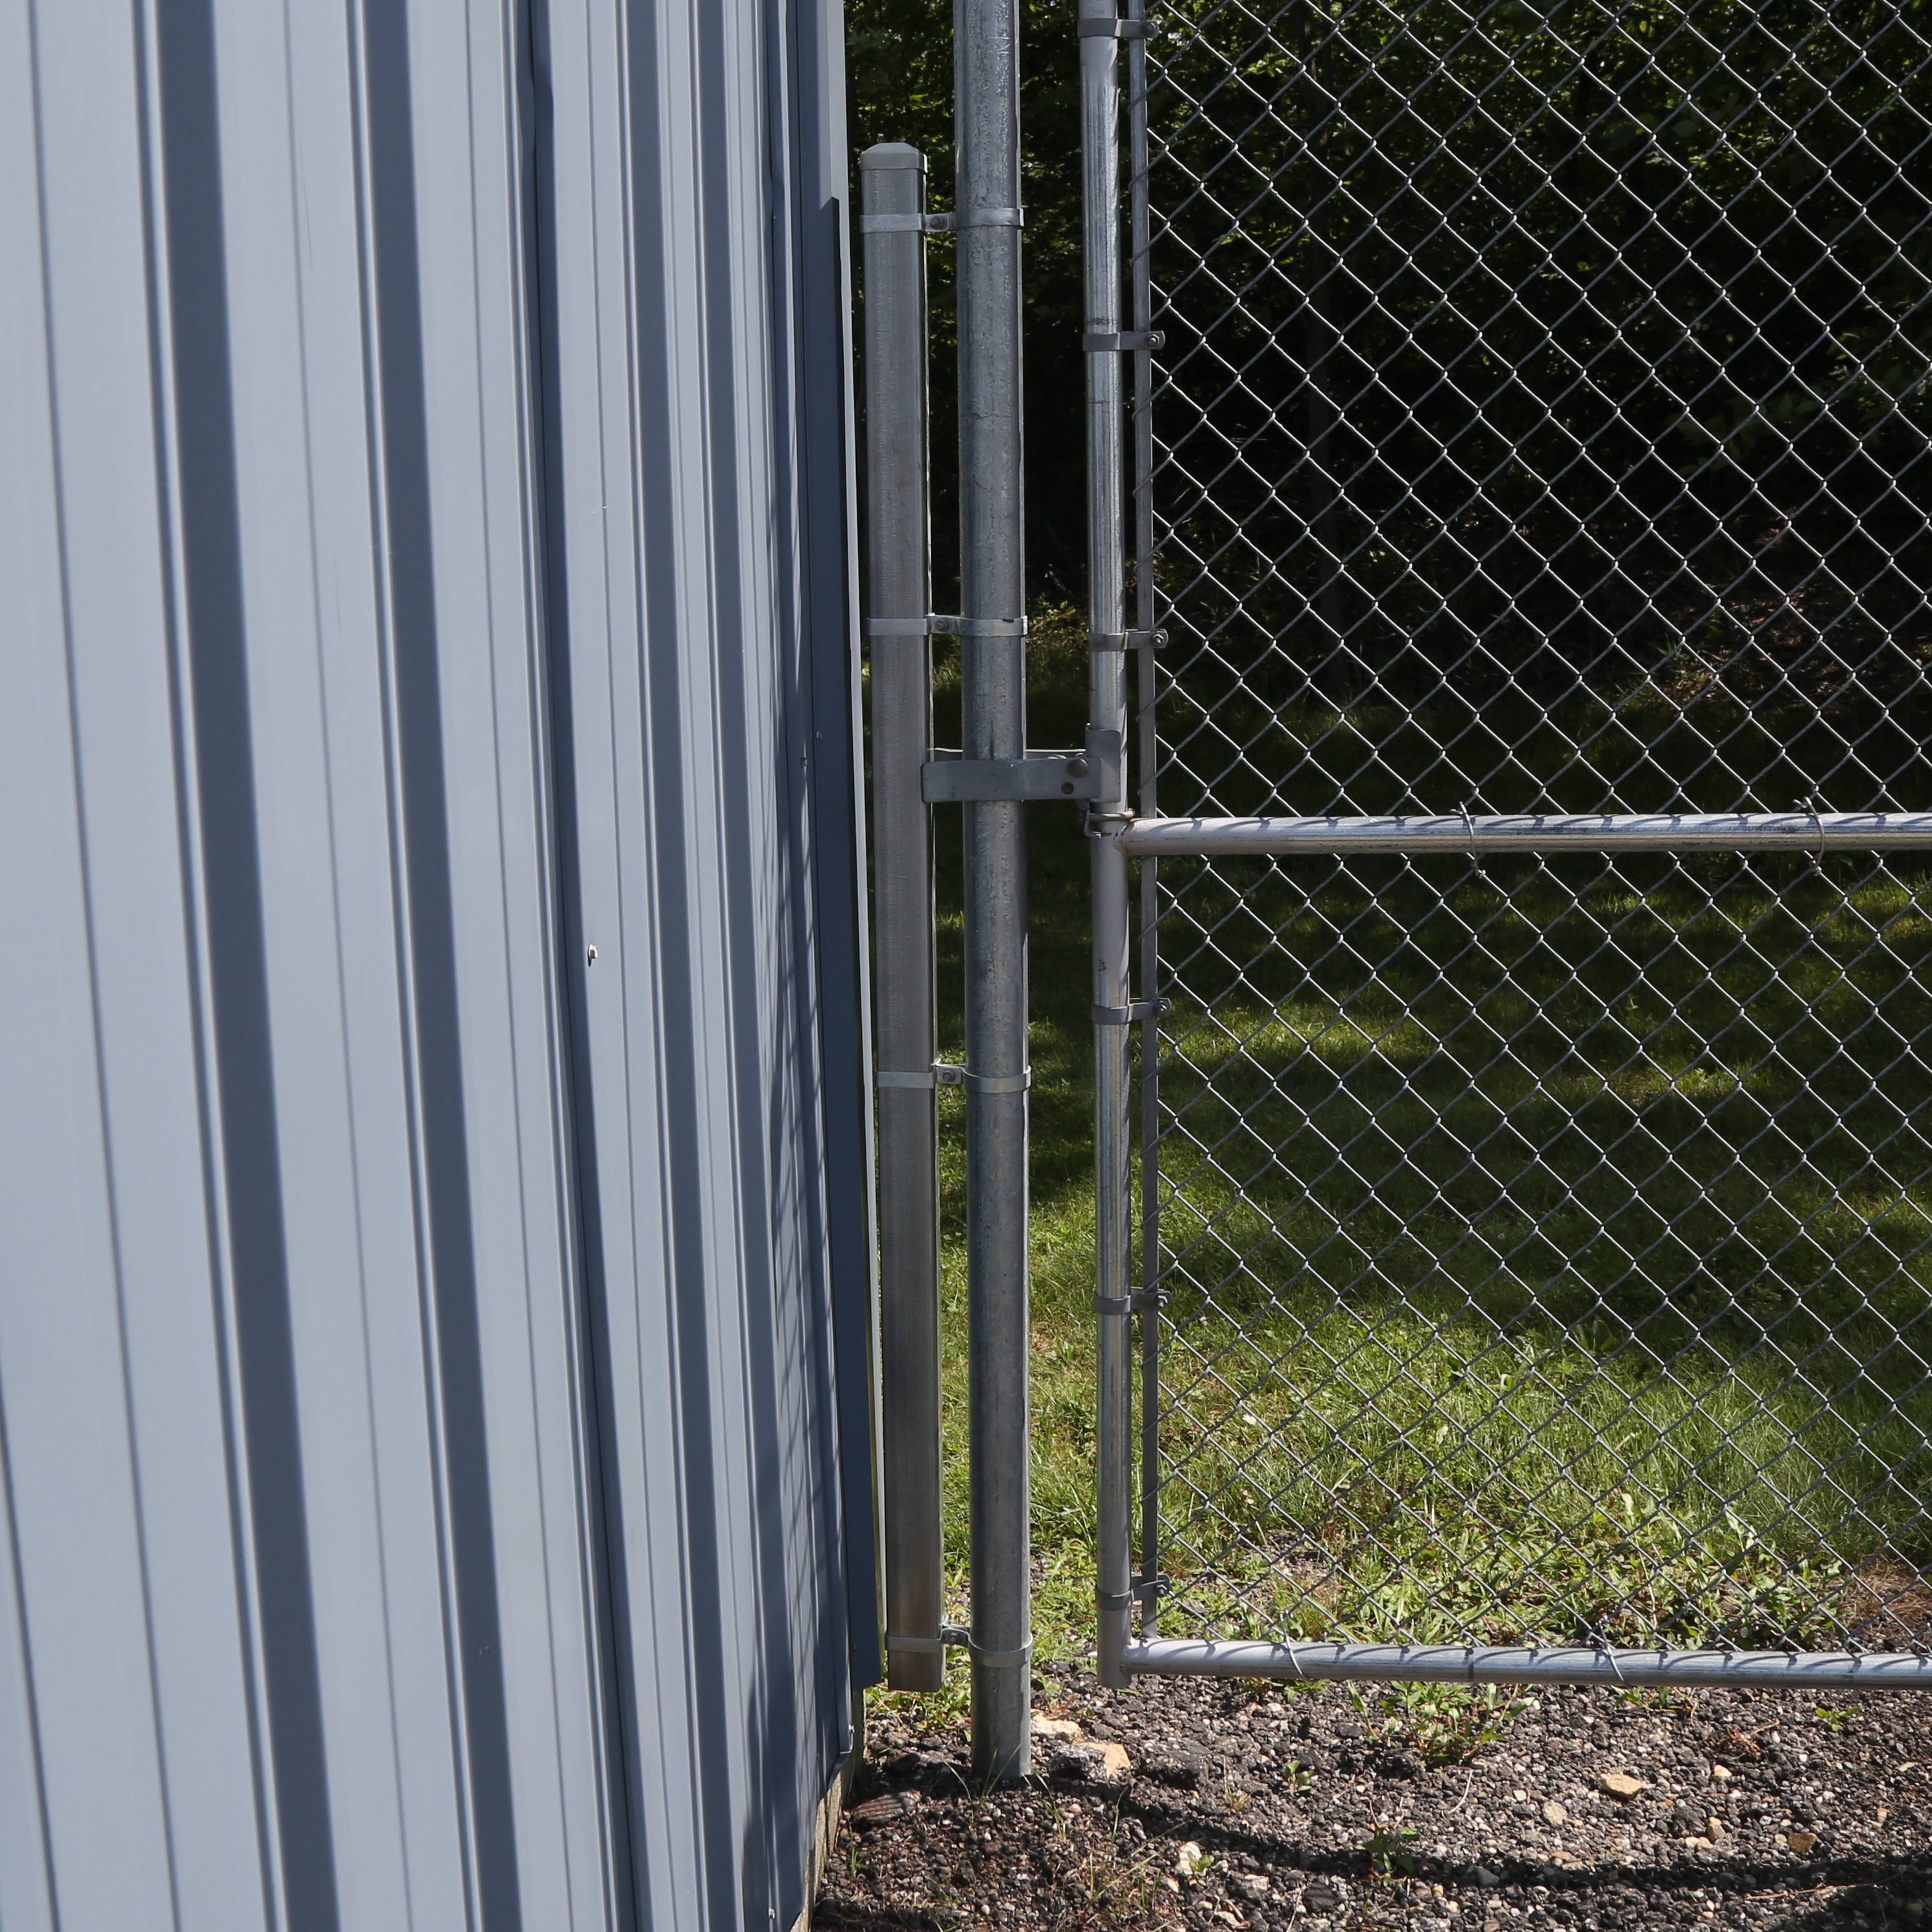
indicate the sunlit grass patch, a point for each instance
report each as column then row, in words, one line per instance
column 1206, row 1043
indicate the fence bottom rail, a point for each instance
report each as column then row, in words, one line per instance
column 1503, row 1663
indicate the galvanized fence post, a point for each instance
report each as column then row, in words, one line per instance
column 891, row 179
column 987, row 220
column 1147, row 751
column 1114, row 1013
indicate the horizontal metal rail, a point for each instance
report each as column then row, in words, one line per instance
column 1492, row 833
column 1457, row 1664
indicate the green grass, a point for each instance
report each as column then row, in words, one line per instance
column 1549, row 1246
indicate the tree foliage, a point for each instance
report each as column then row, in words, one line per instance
column 1538, row 365
column 1528, row 363
column 899, row 69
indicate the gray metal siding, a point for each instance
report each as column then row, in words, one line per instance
column 433, row 1374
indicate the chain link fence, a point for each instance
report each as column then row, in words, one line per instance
column 1539, row 426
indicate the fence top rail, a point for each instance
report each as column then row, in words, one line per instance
column 1450, row 832
column 1513, row 1663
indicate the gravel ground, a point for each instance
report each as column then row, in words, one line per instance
column 1319, row 1808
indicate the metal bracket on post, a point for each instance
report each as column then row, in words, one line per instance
column 1122, row 341
column 982, row 217
column 1135, row 1009
column 951, row 1637
column 956, row 1636
column 1038, row 777
column 905, row 224
column 941, row 1073
column 942, row 224
column 936, row 626
column 1142, row 1301
column 1118, row 30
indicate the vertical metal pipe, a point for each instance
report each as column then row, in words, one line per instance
column 992, row 586
column 892, row 177
column 1107, row 710
column 1146, row 618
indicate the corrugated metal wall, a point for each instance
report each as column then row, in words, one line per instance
column 433, row 1398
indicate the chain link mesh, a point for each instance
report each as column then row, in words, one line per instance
column 1541, row 424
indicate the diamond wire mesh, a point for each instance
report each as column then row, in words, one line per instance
column 1542, row 424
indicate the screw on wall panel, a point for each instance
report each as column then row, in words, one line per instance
column 590, row 955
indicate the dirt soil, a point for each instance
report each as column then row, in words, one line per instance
column 1255, row 1808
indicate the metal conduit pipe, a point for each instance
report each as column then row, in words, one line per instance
column 992, row 587
column 1107, row 710
column 892, row 189
column 1146, row 1609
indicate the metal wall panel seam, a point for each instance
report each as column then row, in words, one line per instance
column 286, row 151
column 415, row 776
column 84, row 1659
column 489, row 902
column 32, row 722
column 241, row 1597
column 816, row 1548
column 779, row 1431
column 569, row 1502
column 686, row 1017
column 802, row 1321
column 671, row 709
column 93, row 199
column 548, row 1627
column 369, row 1492
column 578, row 718
column 244, row 1127
column 738, row 796
column 481, row 595
column 592, row 81
column 828, row 508
column 26, row 1861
